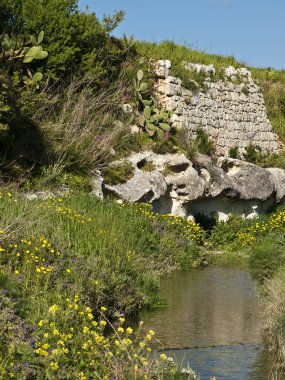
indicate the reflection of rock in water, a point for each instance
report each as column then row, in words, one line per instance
column 213, row 307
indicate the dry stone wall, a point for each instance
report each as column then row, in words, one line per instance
column 231, row 111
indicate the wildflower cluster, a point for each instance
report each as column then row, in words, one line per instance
column 74, row 215
column 81, row 345
column 276, row 221
column 177, row 224
column 7, row 196
column 33, row 255
column 53, row 287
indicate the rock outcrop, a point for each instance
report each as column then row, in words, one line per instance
column 174, row 184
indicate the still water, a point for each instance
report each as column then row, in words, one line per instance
column 213, row 323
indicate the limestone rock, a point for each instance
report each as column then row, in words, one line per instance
column 143, row 187
column 97, row 185
column 278, row 177
column 251, row 181
column 217, row 181
column 186, row 185
column 230, row 71
column 213, row 186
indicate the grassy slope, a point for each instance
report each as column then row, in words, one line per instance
column 62, row 260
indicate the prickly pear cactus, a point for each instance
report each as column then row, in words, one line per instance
column 151, row 119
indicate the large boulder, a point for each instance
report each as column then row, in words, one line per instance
column 142, row 187
column 207, row 185
column 251, row 181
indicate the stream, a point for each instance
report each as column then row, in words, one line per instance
column 213, row 324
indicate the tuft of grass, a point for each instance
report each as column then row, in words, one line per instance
column 84, row 128
column 267, row 256
column 204, row 144
column 233, row 152
column 147, row 166
column 118, row 173
column 274, row 316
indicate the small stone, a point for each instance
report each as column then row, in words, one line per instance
column 134, row 129
column 127, row 108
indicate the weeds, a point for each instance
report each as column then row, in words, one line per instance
column 118, row 173
column 85, row 129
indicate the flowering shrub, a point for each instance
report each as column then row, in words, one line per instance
column 176, row 224
column 276, row 222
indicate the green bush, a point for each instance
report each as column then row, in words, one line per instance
column 233, row 152
column 267, row 256
column 252, row 154
column 203, row 142
column 147, row 166
column 226, row 233
column 76, row 41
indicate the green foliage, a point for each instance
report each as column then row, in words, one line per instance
column 163, row 146
column 16, row 82
column 273, row 160
column 76, row 41
column 12, row 47
column 180, row 53
column 147, row 166
column 76, row 261
column 233, row 152
column 191, row 79
column 98, row 241
column 141, row 89
column 226, row 233
column 272, row 83
column 203, row 142
column 267, row 256
column 118, row 173
column 252, row 154
column 153, row 120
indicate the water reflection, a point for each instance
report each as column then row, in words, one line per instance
column 214, row 323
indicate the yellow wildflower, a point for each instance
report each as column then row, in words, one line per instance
column 53, row 309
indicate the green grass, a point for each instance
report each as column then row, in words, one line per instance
column 178, row 53
column 118, row 173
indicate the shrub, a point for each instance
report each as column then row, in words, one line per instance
column 147, row 166
column 233, row 152
column 252, row 154
column 203, row 142
column 225, row 233
column 274, row 317
column 77, row 41
column 267, row 256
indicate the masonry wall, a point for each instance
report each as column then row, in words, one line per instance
column 231, row 111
